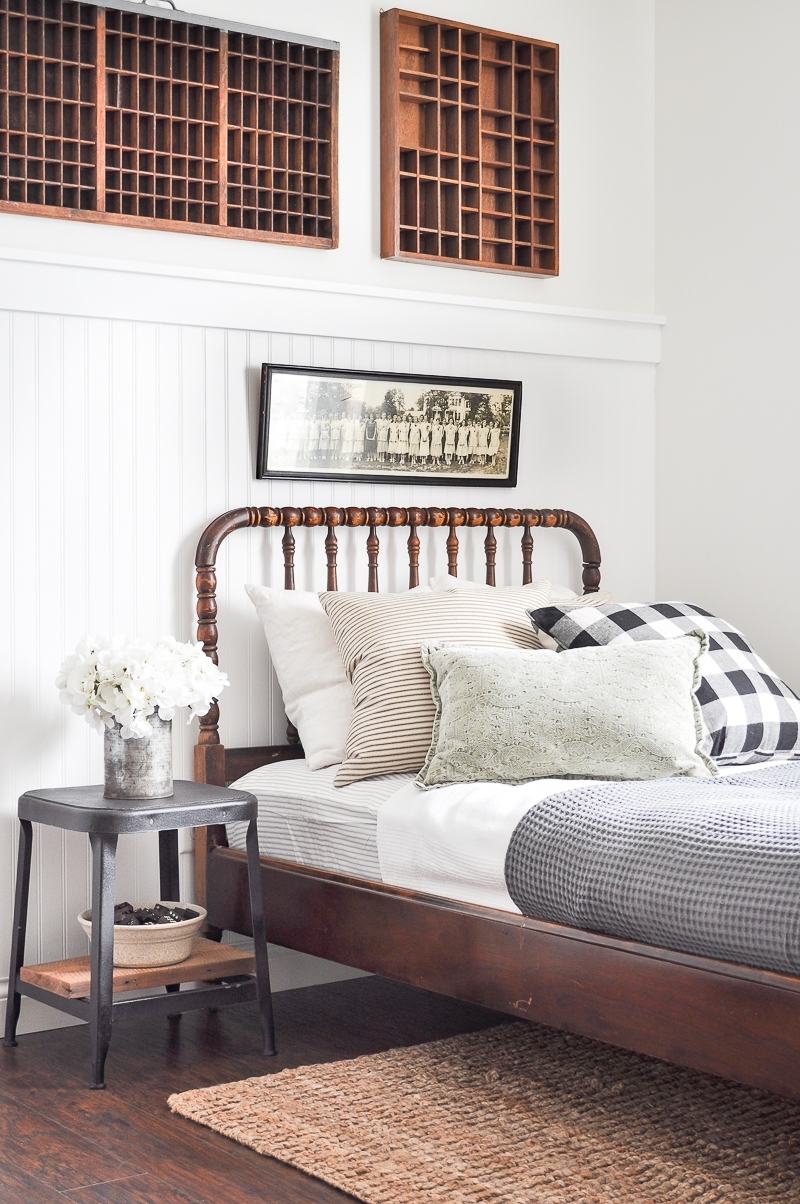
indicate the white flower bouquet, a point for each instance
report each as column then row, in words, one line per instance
column 122, row 681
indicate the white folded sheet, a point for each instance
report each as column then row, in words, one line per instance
column 453, row 841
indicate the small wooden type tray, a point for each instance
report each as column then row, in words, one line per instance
column 139, row 116
column 469, row 145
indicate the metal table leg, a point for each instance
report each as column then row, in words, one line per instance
column 170, row 887
column 168, row 865
column 104, row 852
column 18, row 934
column 260, row 939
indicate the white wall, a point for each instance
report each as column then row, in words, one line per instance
column 129, row 364
column 728, row 260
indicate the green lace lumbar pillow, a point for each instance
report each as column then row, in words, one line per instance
column 616, row 712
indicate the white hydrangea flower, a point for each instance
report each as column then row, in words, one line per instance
column 123, row 681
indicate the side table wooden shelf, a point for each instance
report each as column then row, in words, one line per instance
column 85, row 986
column 208, row 960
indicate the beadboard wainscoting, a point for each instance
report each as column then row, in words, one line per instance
column 121, row 438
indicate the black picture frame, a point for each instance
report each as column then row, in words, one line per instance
column 289, row 414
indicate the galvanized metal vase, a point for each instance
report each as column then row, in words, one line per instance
column 139, row 768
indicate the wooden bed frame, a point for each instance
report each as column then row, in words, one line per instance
column 731, row 1020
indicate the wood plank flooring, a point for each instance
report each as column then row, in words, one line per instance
column 59, row 1141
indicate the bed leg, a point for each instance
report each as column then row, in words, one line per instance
column 260, row 939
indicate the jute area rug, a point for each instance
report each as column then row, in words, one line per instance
column 516, row 1114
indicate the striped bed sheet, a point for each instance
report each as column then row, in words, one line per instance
column 303, row 817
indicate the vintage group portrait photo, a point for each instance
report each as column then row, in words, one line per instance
column 322, row 423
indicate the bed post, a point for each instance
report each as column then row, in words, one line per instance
column 590, row 548
column 209, row 754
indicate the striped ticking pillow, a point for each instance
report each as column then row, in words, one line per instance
column 379, row 638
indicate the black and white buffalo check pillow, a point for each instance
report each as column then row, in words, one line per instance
column 749, row 713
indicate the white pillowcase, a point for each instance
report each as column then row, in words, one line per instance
column 317, row 696
column 558, row 593
column 444, row 582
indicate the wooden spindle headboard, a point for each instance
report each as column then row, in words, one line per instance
column 210, row 757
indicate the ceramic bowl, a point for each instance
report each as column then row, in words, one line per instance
column 151, row 944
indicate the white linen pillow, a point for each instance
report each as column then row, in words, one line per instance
column 317, row 695
column 443, row 583
column 558, row 593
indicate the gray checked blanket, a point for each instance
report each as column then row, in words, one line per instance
column 702, row 865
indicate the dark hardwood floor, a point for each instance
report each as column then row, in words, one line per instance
column 60, row 1141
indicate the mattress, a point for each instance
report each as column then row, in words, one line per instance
column 451, row 841
column 303, row 817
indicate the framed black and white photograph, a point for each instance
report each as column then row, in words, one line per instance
column 324, row 423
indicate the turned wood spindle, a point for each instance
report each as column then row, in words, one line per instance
column 206, row 581
column 413, row 558
column 591, row 578
column 288, row 558
column 452, row 552
column 331, row 548
column 527, row 556
column 490, row 549
column 207, row 633
column 373, row 546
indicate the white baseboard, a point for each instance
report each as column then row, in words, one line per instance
column 289, row 969
column 35, row 1017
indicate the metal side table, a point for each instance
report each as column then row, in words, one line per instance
column 84, row 809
